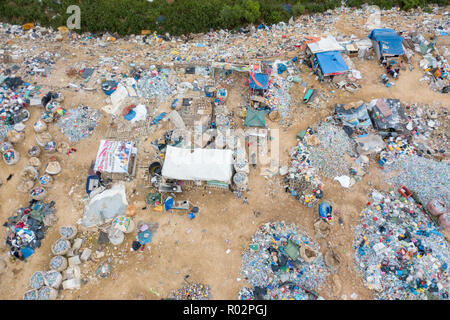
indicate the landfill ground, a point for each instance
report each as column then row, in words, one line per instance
column 198, row 247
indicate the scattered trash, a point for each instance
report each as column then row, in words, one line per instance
column 194, row 291
column 79, row 123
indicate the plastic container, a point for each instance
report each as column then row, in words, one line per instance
column 38, row 193
column 11, row 157
column 29, row 173
column 68, row 232
column 31, row 295
column 37, row 280
column 39, row 126
column 53, row 168
column 58, row 263
column 34, row 151
column 35, row 162
column 61, row 247
column 43, row 138
column 53, row 279
column 47, row 293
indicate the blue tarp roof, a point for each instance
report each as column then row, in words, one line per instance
column 390, row 42
column 331, row 62
column 262, row 78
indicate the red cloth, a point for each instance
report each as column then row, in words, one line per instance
column 127, row 109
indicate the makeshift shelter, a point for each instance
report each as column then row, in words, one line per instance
column 198, row 164
column 330, row 63
column 116, row 158
column 325, row 57
column 255, row 118
column 258, row 81
column 386, row 43
column 323, row 45
column 387, row 114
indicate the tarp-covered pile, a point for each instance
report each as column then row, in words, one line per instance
column 105, row 205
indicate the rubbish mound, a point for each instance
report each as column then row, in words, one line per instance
column 155, row 84
column 279, row 97
column 304, row 183
column 194, row 291
column 282, row 263
column 329, row 155
column 399, row 251
column 27, row 228
column 65, row 272
column 79, row 123
column 425, row 177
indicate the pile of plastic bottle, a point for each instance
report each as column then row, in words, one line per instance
column 266, row 265
column 79, row 123
column 301, row 169
column 399, row 250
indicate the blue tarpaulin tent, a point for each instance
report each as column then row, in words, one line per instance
column 258, row 81
column 386, row 42
column 331, row 63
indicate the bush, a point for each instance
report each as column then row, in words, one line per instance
column 230, row 16
column 274, row 17
column 409, row 4
column 298, row 9
column 250, row 10
column 176, row 17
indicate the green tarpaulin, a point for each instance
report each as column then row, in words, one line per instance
column 255, row 118
column 292, row 250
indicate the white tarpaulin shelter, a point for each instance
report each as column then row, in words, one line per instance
column 198, row 164
column 114, row 156
column 120, row 96
column 105, row 206
column 325, row 44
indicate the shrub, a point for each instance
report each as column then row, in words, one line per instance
column 176, row 17
column 298, row 9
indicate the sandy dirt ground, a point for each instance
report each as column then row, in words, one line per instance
column 197, row 247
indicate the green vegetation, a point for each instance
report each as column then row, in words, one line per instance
column 178, row 16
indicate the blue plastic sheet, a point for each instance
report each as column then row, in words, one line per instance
column 331, row 62
column 389, row 41
column 168, row 203
column 262, row 81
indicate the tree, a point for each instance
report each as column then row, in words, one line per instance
column 298, row 9
column 409, row 4
column 230, row 16
column 274, row 17
column 250, row 10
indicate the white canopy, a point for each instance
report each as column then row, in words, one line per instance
column 325, row 44
column 201, row 164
